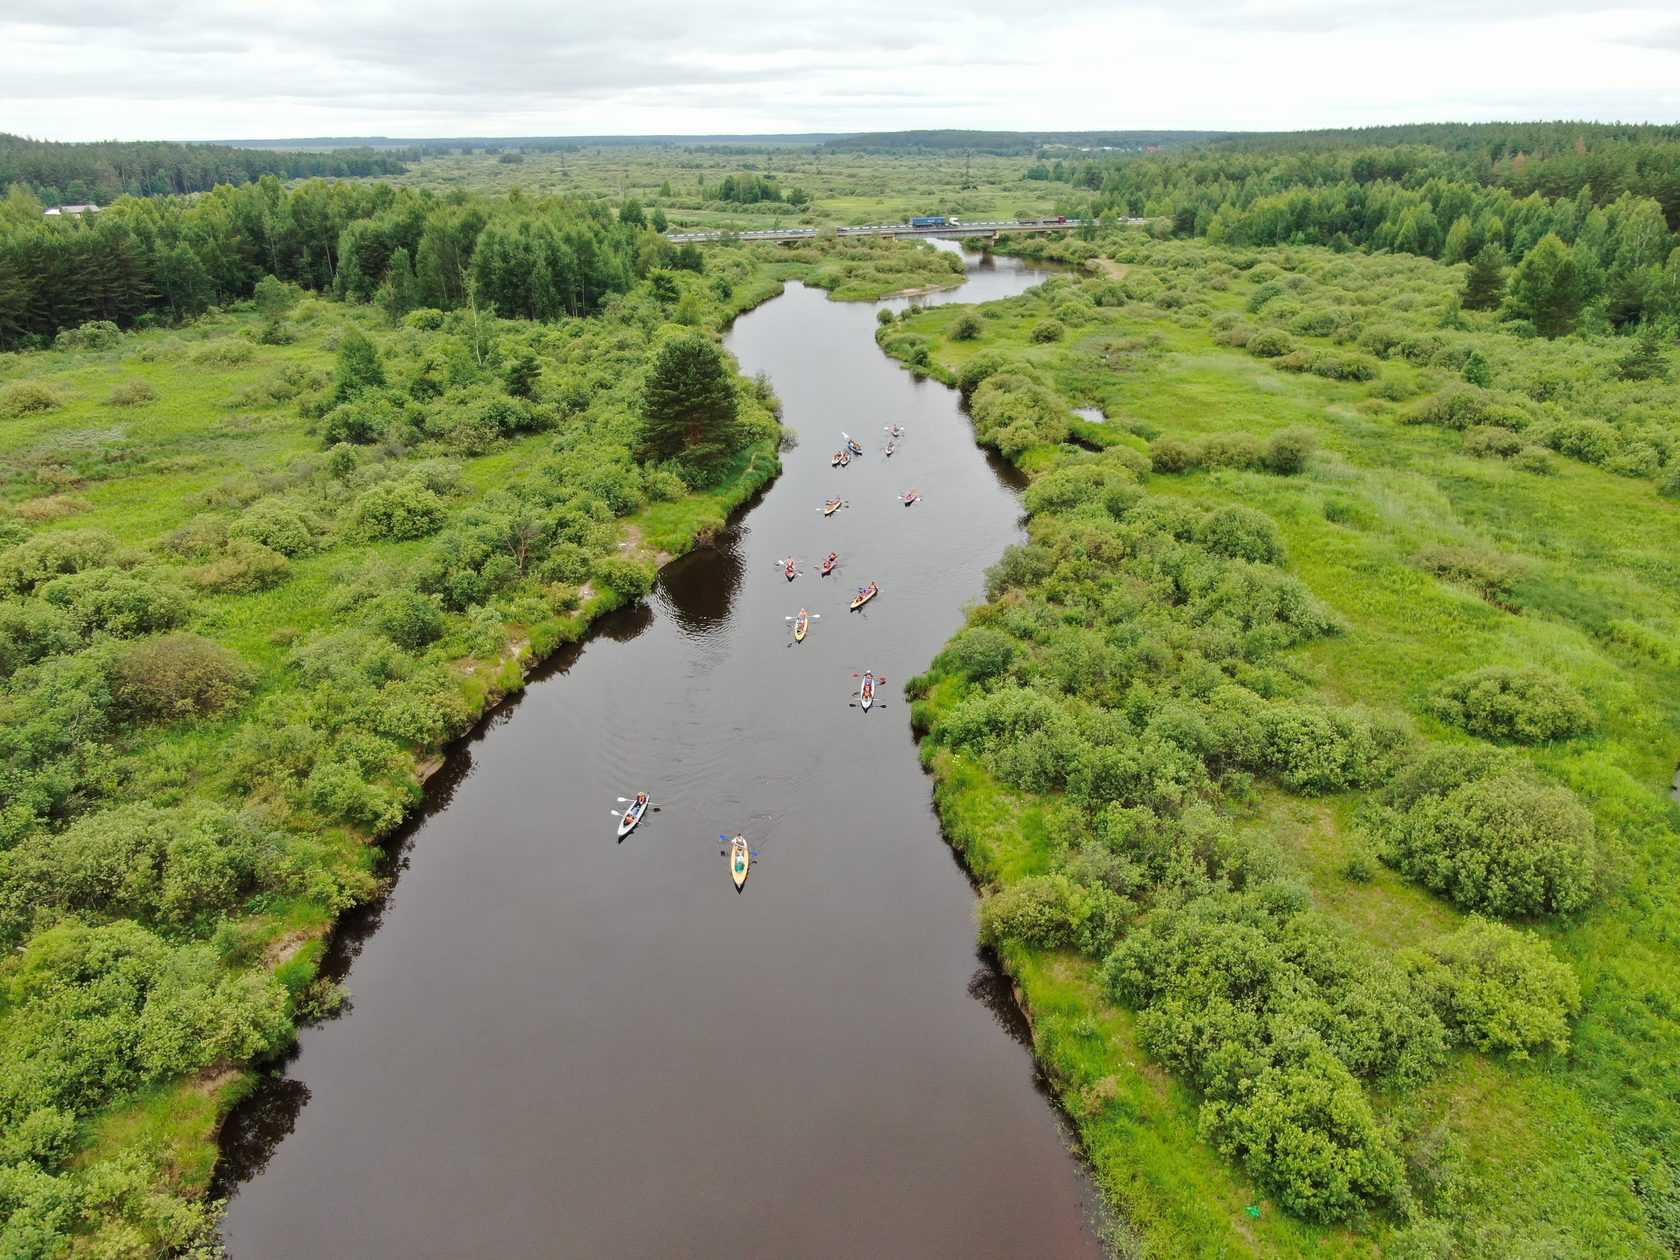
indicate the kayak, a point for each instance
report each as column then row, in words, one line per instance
column 839, row 458
column 829, row 509
column 911, row 497
column 632, row 816
column 800, row 624
column 844, row 459
column 740, row 858
column 867, row 694
column 865, row 595
column 789, row 569
column 828, row 565
column 897, row 431
column 851, row 444
column 891, row 447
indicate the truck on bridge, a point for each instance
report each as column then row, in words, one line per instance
column 932, row 220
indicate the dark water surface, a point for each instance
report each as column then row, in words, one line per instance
column 560, row 1045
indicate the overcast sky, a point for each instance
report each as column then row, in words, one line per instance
column 208, row 69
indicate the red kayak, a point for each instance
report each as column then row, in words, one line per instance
column 911, row 497
column 789, row 569
column 828, row 564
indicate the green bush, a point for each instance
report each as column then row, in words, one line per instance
column 1054, row 912
column 1590, row 441
column 22, row 398
column 408, row 619
column 117, row 602
column 277, row 526
column 624, row 577
column 177, row 676
column 1534, row 459
column 397, row 510
column 1230, row 450
column 1287, row 451
column 966, row 327
column 1498, row 989
column 1491, row 575
column 1242, row 533
column 1487, row 441
column 1498, row 840
column 1456, row 407
column 980, row 653
column 98, row 334
column 31, row 630
column 989, row 363
column 1171, row 455
column 1048, row 330
column 1522, row 704
column 1270, row 343
column 35, row 560
column 244, row 567
column 132, row 393
column 1315, row 749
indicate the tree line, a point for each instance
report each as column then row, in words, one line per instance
column 60, row 174
column 1600, row 204
column 168, row 258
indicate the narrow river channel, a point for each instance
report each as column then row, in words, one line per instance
column 564, row 1046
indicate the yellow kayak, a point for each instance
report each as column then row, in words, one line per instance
column 740, row 858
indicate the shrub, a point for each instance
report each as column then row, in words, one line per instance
column 1054, row 912
column 116, row 602
column 1342, row 367
column 408, row 619
column 1270, row 343
column 980, row 653
column 1456, row 407
column 98, row 334
column 1534, row 459
column 966, row 327
column 1240, row 533
column 42, row 557
column 1230, row 450
column 1492, row 576
column 1287, row 451
column 1503, row 843
column 626, row 578
column 21, row 398
column 1524, row 704
column 277, row 526
column 1486, row 441
column 177, row 676
column 358, row 421
column 132, row 393
column 1048, row 330
column 1499, row 989
column 244, row 567
column 397, row 510
column 989, row 363
column 424, row 319
column 1171, row 455
column 1590, row 441
column 223, row 352
column 31, row 630
column 1314, row 749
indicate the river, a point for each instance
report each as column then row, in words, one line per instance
column 564, row 1046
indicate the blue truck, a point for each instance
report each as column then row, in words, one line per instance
column 931, row 220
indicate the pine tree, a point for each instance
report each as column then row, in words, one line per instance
column 1647, row 358
column 1484, row 282
column 1549, row 288
column 688, row 403
column 358, row 365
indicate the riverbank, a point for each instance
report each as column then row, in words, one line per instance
column 1428, row 561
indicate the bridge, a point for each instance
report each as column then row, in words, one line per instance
column 950, row 229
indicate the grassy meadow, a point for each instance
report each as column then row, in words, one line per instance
column 1450, row 498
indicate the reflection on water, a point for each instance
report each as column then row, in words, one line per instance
column 256, row 1128
column 699, row 589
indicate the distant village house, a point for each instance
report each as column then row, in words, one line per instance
column 74, row 211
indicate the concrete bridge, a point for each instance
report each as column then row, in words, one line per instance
column 951, row 229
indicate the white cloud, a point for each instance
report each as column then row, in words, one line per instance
column 201, row 69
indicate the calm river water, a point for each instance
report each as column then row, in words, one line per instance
column 564, row 1046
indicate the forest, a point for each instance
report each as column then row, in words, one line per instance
column 1314, row 750
column 58, row 173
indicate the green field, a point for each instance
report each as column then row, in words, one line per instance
column 1434, row 550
